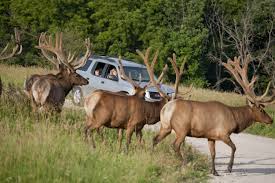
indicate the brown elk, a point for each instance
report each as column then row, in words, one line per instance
column 125, row 112
column 49, row 91
column 16, row 50
column 214, row 120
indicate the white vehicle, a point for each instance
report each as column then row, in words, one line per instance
column 102, row 73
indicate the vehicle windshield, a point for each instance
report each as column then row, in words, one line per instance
column 137, row 73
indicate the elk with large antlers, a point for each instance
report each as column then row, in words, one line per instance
column 125, row 112
column 16, row 50
column 49, row 91
column 214, row 120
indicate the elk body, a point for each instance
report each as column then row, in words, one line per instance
column 49, row 91
column 213, row 120
column 119, row 111
column 115, row 110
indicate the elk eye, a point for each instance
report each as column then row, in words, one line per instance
column 261, row 110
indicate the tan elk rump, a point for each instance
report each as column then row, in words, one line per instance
column 214, row 120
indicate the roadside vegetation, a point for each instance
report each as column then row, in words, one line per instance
column 37, row 148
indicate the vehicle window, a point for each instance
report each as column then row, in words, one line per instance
column 97, row 70
column 86, row 66
column 137, row 73
column 111, row 73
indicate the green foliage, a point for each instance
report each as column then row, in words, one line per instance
column 119, row 27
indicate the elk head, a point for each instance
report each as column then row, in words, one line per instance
column 65, row 63
column 256, row 103
column 150, row 68
column 139, row 91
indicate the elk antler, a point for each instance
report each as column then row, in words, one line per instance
column 178, row 72
column 47, row 46
column 17, row 49
column 239, row 72
column 150, row 69
column 165, row 69
column 122, row 72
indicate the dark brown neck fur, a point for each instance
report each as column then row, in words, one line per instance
column 243, row 117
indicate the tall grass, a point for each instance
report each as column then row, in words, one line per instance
column 38, row 148
column 17, row 74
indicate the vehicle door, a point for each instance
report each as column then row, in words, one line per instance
column 110, row 79
column 95, row 74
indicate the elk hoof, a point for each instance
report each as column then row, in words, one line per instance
column 229, row 169
column 214, row 172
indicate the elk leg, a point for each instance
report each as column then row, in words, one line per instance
column 139, row 136
column 100, row 132
column 229, row 142
column 119, row 138
column 211, row 145
column 129, row 133
column 161, row 135
column 87, row 134
column 176, row 146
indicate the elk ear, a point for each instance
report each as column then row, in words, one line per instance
column 262, row 106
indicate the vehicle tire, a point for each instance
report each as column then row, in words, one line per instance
column 77, row 96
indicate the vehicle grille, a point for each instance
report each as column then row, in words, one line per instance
column 154, row 95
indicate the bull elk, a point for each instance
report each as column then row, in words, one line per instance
column 16, row 50
column 214, row 120
column 49, row 91
column 125, row 112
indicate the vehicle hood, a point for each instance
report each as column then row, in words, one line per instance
column 165, row 88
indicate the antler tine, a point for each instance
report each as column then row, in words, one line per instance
column 46, row 44
column 18, row 41
column 15, row 51
column 155, row 59
column 124, row 75
column 234, row 69
column 164, row 70
column 151, row 71
column 265, row 93
column 77, row 63
column 239, row 72
column 52, row 59
column 178, row 72
column 190, row 88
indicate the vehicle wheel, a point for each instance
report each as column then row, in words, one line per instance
column 77, row 96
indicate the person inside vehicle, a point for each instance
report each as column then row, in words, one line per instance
column 113, row 75
column 97, row 72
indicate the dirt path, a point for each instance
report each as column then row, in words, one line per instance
column 254, row 159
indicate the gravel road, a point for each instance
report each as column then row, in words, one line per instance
column 254, row 159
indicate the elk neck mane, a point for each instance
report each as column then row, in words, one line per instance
column 243, row 117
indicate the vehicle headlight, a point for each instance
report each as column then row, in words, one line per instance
column 147, row 94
